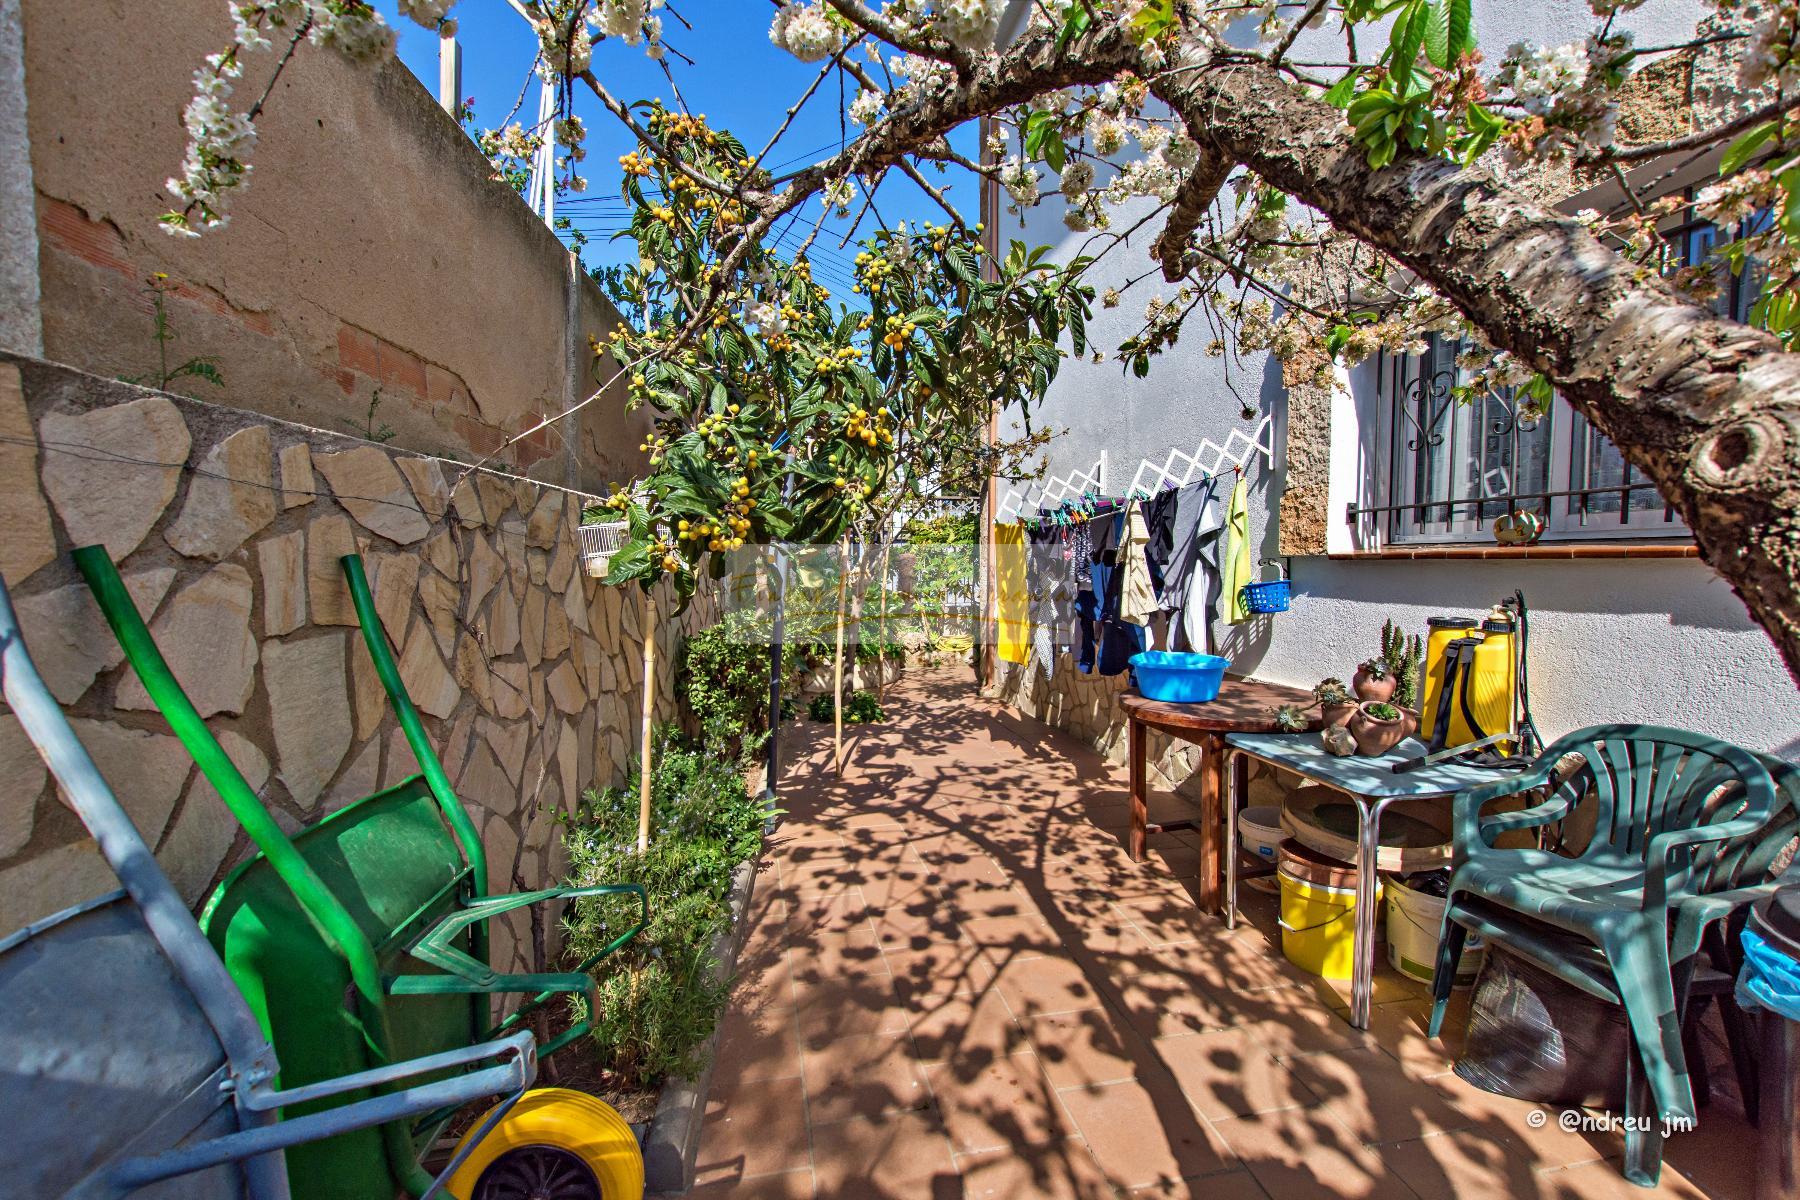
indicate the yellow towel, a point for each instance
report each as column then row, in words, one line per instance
column 1237, row 570
column 1013, row 618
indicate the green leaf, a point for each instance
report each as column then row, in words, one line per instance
column 1741, row 150
column 1341, row 92
column 1403, row 45
column 1074, row 27
column 1153, row 20
column 1437, row 33
column 1462, row 28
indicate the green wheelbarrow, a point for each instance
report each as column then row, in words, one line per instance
column 362, row 940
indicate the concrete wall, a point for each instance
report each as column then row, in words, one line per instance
column 371, row 248
column 1654, row 640
column 226, row 526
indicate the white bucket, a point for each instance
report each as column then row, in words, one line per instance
column 1414, row 920
column 1259, row 830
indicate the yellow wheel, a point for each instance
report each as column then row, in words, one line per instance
column 556, row 1144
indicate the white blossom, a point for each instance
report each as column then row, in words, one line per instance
column 970, row 24
column 839, row 194
column 806, row 32
column 429, row 13
column 866, row 108
column 1077, row 179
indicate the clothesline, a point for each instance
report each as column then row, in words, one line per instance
column 1110, row 577
column 1176, row 469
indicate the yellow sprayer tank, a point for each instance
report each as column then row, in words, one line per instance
column 1493, row 683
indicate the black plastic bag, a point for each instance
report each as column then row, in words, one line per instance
column 1534, row 1037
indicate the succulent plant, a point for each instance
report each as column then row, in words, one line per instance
column 1403, row 655
column 1377, row 668
column 1290, row 719
column 1331, row 691
column 1382, row 712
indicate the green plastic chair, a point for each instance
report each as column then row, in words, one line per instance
column 1685, row 830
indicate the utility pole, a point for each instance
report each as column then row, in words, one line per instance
column 449, row 73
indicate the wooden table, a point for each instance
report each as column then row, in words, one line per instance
column 1243, row 706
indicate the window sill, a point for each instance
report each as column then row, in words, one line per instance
column 1560, row 551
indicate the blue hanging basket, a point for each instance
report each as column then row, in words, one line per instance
column 1270, row 597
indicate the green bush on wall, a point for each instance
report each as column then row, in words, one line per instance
column 858, row 706
column 722, row 675
column 657, row 998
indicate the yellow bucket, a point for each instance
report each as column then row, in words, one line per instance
column 1318, row 925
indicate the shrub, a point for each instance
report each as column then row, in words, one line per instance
column 858, row 706
column 658, row 1002
column 722, row 675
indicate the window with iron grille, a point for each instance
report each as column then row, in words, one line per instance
column 1446, row 467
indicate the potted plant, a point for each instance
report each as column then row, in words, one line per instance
column 1379, row 726
column 1374, row 681
column 1336, row 704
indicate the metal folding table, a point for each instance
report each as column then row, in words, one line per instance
column 1371, row 785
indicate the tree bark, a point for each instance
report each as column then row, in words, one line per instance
column 1708, row 408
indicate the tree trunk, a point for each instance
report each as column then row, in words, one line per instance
column 1708, row 408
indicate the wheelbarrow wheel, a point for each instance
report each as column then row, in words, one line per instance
column 556, row 1144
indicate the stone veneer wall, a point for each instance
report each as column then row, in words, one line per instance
column 227, row 527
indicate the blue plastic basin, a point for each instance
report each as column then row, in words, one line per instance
column 1180, row 678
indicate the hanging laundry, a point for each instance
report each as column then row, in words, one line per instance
column 1116, row 640
column 1191, row 522
column 1012, row 597
column 1137, row 596
column 1237, row 572
column 1052, row 594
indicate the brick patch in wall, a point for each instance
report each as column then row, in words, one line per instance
column 99, row 243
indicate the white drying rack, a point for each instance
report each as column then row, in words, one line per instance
column 1211, row 459
column 1017, row 503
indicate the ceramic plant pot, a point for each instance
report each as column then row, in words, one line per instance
column 1336, row 716
column 1372, row 690
column 1375, row 736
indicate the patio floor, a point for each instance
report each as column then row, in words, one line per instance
column 958, row 984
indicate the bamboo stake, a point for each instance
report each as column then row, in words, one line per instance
column 837, row 682
column 649, row 712
column 881, row 645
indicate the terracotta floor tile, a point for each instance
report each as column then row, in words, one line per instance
column 1546, row 1147
column 1305, row 1154
column 1399, row 1030
column 1063, row 1170
column 826, row 956
column 1229, row 1073
column 863, row 1077
column 1013, row 937
column 1602, row 1181
column 755, row 1127
column 970, row 901
column 1448, row 1166
column 1143, row 1135
column 1234, row 1184
column 850, row 1006
column 916, row 924
column 721, row 1184
column 758, row 1042
column 1003, row 1102
column 940, row 969
column 1375, row 1098
column 1035, row 986
column 1086, row 1047
column 826, row 912
column 902, row 1157
column 961, row 1028
column 1161, row 1001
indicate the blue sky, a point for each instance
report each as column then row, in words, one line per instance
column 738, row 79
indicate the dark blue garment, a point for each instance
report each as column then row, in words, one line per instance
column 1117, row 641
column 1087, row 632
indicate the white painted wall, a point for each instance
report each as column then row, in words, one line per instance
column 1639, row 640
